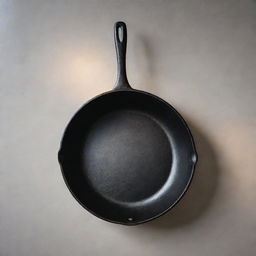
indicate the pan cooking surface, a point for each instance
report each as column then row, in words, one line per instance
column 126, row 156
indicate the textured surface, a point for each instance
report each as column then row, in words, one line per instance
column 118, row 160
column 198, row 55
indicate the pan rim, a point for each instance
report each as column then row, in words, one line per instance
column 194, row 162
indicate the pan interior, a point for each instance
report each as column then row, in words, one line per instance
column 126, row 155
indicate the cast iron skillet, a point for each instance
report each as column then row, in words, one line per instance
column 127, row 156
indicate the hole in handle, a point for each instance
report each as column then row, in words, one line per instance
column 120, row 32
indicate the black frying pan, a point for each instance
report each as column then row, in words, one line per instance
column 127, row 156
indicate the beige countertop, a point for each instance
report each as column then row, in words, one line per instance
column 200, row 56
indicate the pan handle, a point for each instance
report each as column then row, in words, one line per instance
column 120, row 35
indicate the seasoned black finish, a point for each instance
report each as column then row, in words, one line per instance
column 127, row 156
